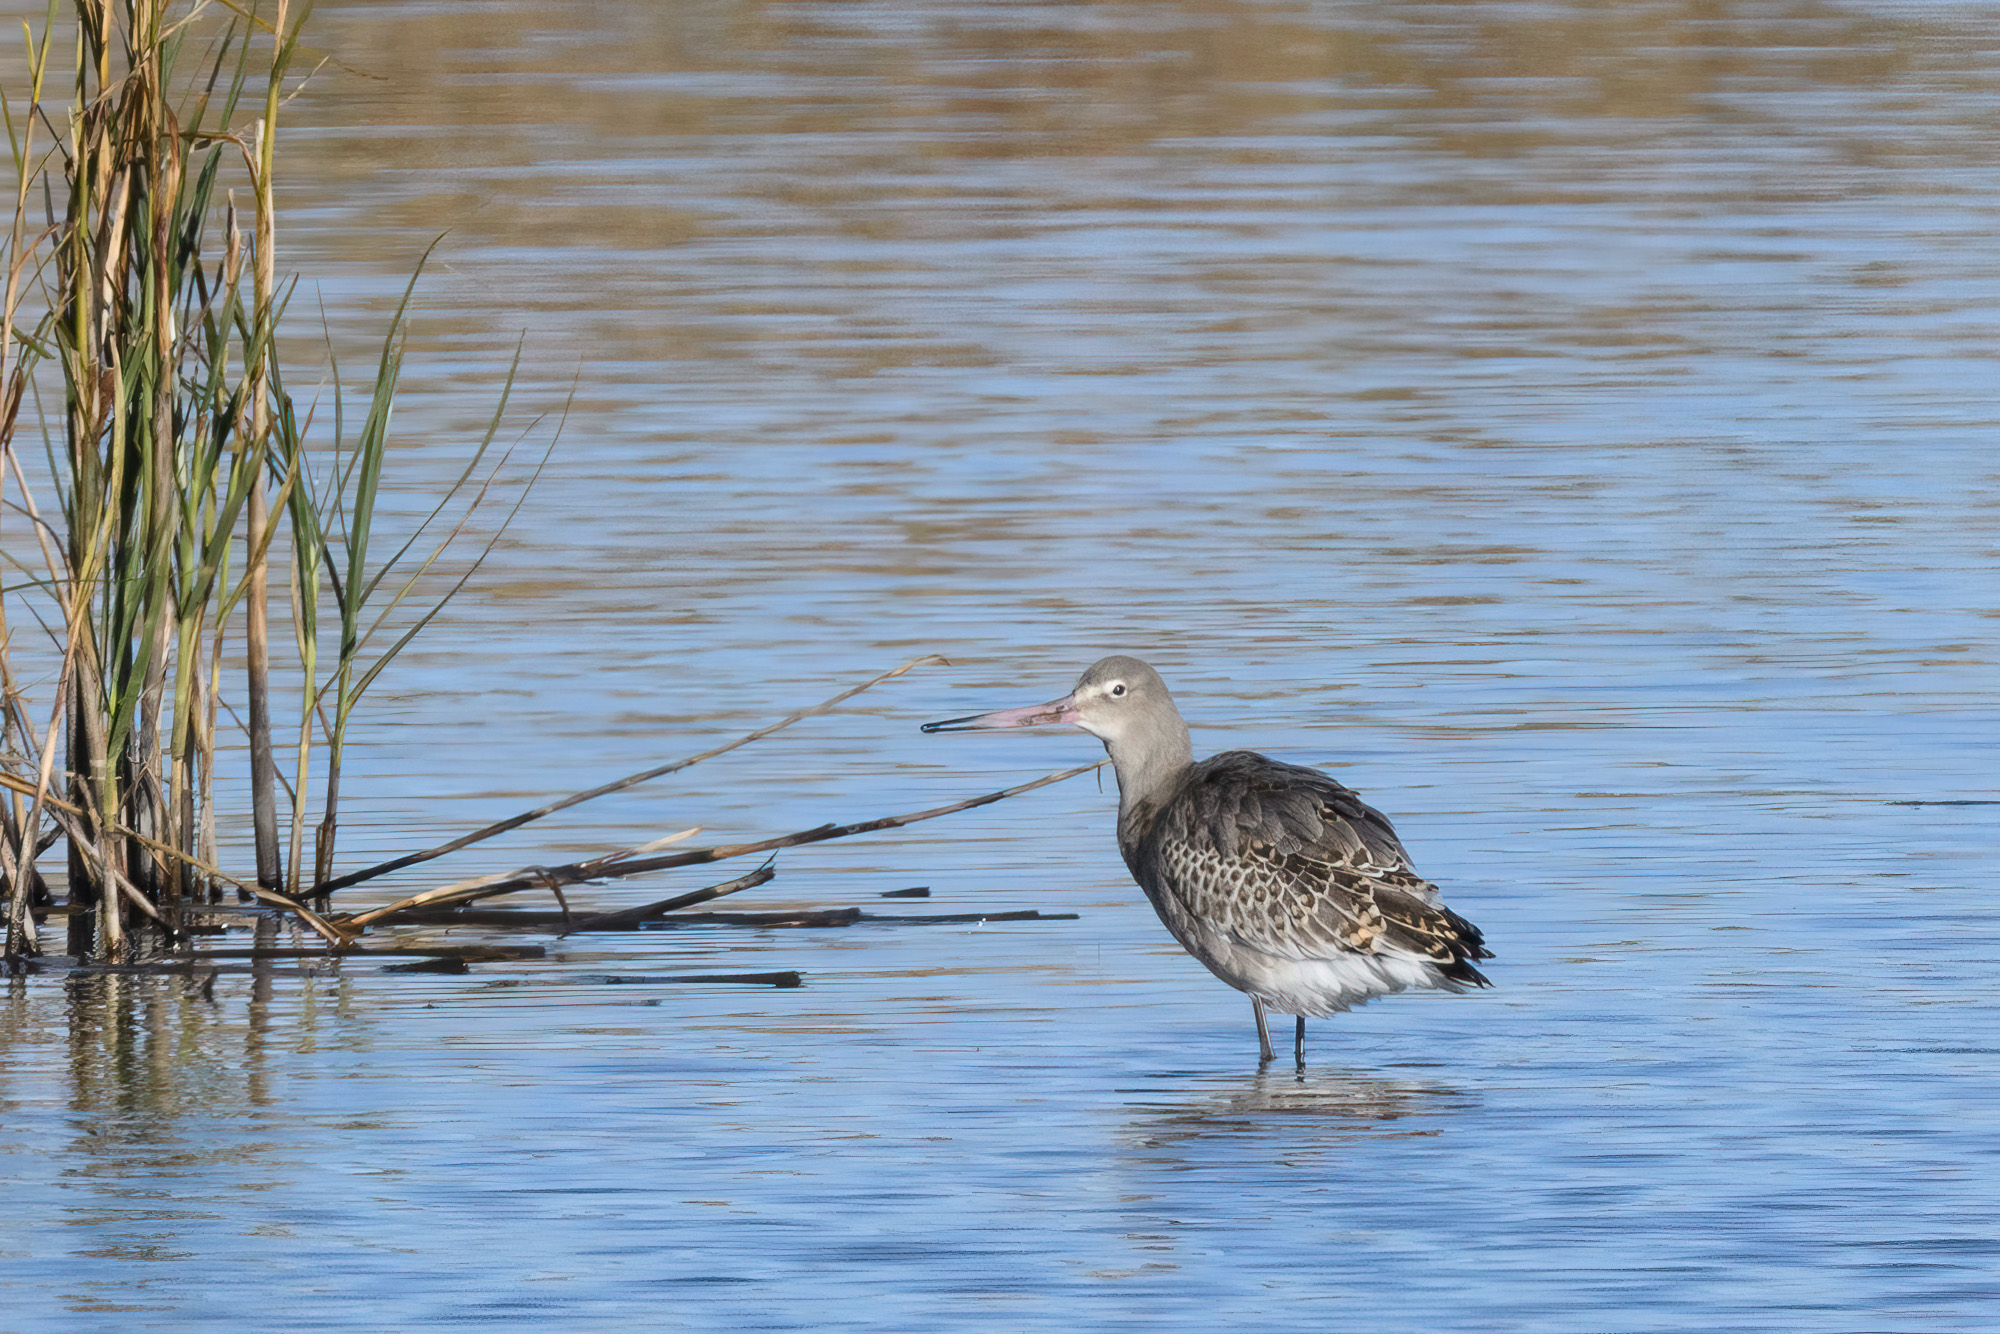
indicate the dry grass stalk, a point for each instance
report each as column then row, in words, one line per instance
column 627, row 863
column 627, row 918
column 630, row 780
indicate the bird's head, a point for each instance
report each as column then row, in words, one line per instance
column 1117, row 699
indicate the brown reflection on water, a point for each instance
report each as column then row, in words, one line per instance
column 1013, row 82
column 737, row 184
column 1173, row 68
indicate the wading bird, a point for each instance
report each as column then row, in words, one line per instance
column 1282, row 882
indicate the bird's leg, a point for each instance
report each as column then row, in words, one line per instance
column 1299, row 1043
column 1263, row 1033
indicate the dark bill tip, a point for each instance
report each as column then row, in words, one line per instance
column 1035, row 715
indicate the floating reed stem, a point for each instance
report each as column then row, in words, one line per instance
column 627, row 863
column 619, row 785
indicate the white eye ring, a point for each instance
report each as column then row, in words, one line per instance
column 1117, row 689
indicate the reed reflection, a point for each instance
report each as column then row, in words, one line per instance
column 155, row 1062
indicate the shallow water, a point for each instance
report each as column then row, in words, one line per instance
column 1572, row 425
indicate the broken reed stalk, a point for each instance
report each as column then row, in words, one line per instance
column 619, row 864
column 530, row 919
column 67, row 815
column 457, row 888
column 628, row 917
column 630, row 780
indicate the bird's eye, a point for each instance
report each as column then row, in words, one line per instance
column 1117, row 689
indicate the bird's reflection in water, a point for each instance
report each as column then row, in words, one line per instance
column 1299, row 1110
column 1200, row 1153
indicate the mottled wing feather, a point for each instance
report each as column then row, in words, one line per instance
column 1295, row 865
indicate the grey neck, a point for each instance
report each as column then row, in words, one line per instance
column 1149, row 767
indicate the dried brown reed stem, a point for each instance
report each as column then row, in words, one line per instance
column 626, row 918
column 626, row 863
column 631, row 780
column 465, row 891
column 319, row 925
column 69, row 817
column 530, row 919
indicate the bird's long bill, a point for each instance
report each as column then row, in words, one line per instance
column 1035, row 715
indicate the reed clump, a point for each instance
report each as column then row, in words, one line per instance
column 177, row 479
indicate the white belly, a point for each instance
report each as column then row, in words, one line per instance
column 1310, row 987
